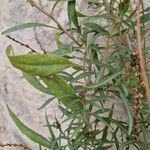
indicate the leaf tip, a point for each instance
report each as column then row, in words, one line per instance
column 9, row 49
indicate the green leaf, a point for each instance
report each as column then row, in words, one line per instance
column 145, row 18
column 46, row 103
column 66, row 76
column 9, row 50
column 119, row 124
column 124, row 6
column 96, row 28
column 35, row 82
column 58, row 42
column 105, row 131
column 79, row 14
column 77, row 131
column 60, row 89
column 127, row 143
column 146, row 10
column 101, row 119
column 72, row 14
column 53, row 138
column 95, row 62
column 129, row 112
column 25, row 26
column 106, row 147
column 101, row 17
column 105, row 81
column 28, row 132
column 64, row 49
column 39, row 64
column 81, row 76
column 101, row 111
column 64, row 111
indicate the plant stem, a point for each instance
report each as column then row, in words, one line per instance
column 38, row 41
column 33, row 4
column 22, row 44
column 15, row 145
column 139, row 50
column 136, row 9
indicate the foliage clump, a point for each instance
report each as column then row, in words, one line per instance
column 107, row 44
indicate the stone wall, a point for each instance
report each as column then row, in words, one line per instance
column 14, row 90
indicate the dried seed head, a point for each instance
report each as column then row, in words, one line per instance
column 134, row 53
column 142, row 83
column 136, row 107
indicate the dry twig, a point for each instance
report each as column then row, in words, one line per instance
column 15, row 145
column 22, row 44
column 38, row 41
column 33, row 4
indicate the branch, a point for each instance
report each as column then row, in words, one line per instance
column 33, row 4
column 22, row 44
column 136, row 9
column 140, row 54
column 38, row 41
column 15, row 145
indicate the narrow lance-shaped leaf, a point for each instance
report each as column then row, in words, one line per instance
column 81, row 76
column 147, row 9
column 105, row 131
column 124, row 6
column 64, row 49
column 105, row 81
column 128, row 110
column 96, row 28
column 79, row 14
column 28, row 132
column 57, row 39
column 72, row 14
column 26, row 26
column 60, row 89
column 77, row 131
column 35, row 82
column 39, row 64
column 53, row 138
column 145, row 18
column 46, row 103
